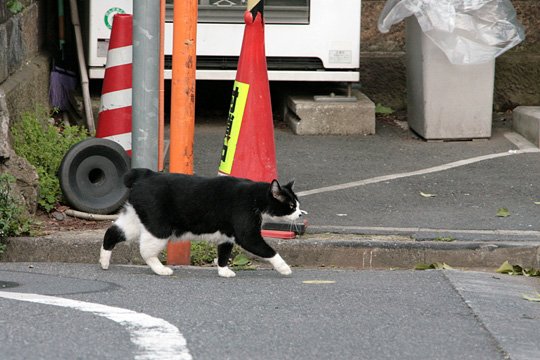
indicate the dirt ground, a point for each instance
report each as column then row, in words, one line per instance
column 47, row 223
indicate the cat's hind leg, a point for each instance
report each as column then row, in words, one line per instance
column 125, row 228
column 256, row 245
column 150, row 248
column 224, row 253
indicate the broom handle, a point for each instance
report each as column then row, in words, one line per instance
column 82, row 67
column 61, row 36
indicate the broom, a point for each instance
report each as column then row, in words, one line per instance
column 62, row 81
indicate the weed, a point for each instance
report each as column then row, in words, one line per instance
column 44, row 146
column 14, row 6
column 444, row 239
column 383, row 110
column 204, row 253
column 13, row 219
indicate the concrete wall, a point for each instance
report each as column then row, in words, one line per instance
column 382, row 61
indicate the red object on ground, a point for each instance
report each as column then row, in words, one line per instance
column 278, row 234
column 248, row 148
column 114, row 120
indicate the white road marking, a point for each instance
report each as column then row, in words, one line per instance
column 430, row 170
column 154, row 337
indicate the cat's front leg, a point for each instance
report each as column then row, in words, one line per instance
column 256, row 245
column 280, row 265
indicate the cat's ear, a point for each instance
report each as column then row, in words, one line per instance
column 290, row 184
column 275, row 189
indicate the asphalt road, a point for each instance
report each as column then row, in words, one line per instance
column 263, row 315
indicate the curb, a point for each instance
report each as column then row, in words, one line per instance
column 383, row 254
column 313, row 250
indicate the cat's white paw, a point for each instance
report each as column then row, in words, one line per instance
column 158, row 267
column 226, row 272
column 105, row 258
column 165, row 271
column 284, row 270
column 280, row 265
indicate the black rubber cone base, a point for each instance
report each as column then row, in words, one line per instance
column 91, row 176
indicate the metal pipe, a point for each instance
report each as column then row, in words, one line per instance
column 146, row 29
column 161, row 127
column 182, row 105
column 183, row 86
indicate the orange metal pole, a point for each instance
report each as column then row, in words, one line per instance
column 161, row 116
column 182, row 105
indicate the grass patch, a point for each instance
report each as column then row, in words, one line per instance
column 204, row 253
column 44, row 145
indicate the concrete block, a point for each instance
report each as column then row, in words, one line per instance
column 526, row 121
column 446, row 101
column 307, row 116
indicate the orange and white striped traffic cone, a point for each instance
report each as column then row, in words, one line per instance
column 114, row 121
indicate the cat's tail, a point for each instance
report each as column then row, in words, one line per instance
column 125, row 228
column 134, row 175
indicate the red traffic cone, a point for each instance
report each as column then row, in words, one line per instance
column 114, row 121
column 248, row 148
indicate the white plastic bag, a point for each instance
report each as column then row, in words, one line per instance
column 467, row 31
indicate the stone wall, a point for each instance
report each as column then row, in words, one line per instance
column 24, row 83
column 382, row 61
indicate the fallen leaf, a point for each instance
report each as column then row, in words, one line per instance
column 384, row 110
column 240, row 260
column 434, row 266
column 505, row 268
column 535, row 298
column 427, row 195
column 503, row 212
column 317, row 282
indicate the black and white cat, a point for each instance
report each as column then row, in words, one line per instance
column 223, row 209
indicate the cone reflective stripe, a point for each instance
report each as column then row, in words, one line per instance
column 114, row 121
column 248, row 147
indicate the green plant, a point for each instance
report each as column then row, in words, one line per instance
column 13, row 218
column 444, row 239
column 383, row 110
column 14, row 6
column 203, row 253
column 44, row 145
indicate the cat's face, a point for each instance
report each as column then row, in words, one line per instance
column 283, row 202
